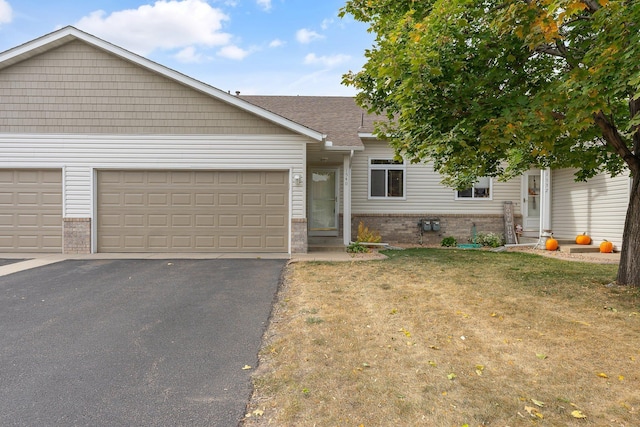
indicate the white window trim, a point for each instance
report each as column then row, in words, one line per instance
column 473, row 198
column 402, row 167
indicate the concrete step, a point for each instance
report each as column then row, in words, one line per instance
column 315, row 248
column 326, row 244
column 572, row 248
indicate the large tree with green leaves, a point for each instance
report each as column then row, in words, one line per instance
column 494, row 87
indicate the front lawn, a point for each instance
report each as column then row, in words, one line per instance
column 439, row 337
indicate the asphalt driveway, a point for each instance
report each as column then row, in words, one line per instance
column 132, row 342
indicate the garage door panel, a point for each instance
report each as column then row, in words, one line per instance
column 228, row 178
column 228, row 200
column 275, row 221
column 228, row 220
column 31, row 210
column 276, row 200
column 181, row 199
column 252, row 221
column 181, row 221
column 274, row 241
column 197, row 211
column 205, row 243
column 6, row 199
column 158, row 199
column 205, row 199
column 158, row 220
column 27, row 220
column 207, row 220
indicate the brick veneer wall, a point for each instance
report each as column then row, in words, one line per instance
column 76, row 236
column 299, row 242
column 401, row 228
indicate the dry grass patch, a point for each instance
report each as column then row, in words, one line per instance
column 447, row 338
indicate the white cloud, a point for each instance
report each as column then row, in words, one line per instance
column 276, row 43
column 306, row 36
column 189, row 55
column 233, row 52
column 327, row 61
column 6, row 13
column 265, row 4
column 167, row 24
column 326, row 23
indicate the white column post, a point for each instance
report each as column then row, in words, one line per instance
column 346, row 205
column 545, row 205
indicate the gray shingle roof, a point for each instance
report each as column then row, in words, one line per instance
column 340, row 118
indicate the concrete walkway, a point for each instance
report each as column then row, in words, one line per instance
column 26, row 261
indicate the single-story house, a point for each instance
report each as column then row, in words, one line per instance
column 102, row 150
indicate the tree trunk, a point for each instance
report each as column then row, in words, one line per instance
column 629, row 269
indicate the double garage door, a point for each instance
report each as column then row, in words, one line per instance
column 30, row 210
column 193, row 211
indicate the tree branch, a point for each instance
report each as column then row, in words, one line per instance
column 593, row 5
column 634, row 108
column 550, row 50
column 614, row 140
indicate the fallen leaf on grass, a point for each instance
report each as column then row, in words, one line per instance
column 404, row 331
column 603, row 375
column 479, row 369
column 452, row 376
column 541, row 356
column 582, row 323
column 533, row 412
column 432, row 363
column 538, row 403
column 578, row 414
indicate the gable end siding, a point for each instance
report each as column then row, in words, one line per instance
column 79, row 89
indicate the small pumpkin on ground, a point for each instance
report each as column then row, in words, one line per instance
column 551, row 244
column 606, row 247
column 583, row 239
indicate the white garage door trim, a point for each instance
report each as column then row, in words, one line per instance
column 193, row 211
column 31, row 210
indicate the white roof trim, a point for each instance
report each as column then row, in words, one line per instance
column 67, row 34
column 367, row 135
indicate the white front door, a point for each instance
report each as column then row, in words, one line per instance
column 531, row 200
column 324, row 206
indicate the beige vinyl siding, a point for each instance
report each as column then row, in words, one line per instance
column 424, row 191
column 80, row 89
column 81, row 155
column 597, row 207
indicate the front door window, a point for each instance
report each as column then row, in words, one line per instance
column 324, row 202
column 531, row 201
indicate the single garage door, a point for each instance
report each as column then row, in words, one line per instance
column 193, row 211
column 30, row 210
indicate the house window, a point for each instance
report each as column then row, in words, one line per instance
column 386, row 178
column 480, row 190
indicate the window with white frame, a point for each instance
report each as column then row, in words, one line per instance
column 480, row 190
column 386, row 178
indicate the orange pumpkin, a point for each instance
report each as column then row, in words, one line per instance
column 583, row 239
column 551, row 244
column 606, row 247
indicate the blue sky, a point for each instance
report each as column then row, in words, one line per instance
column 259, row 47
